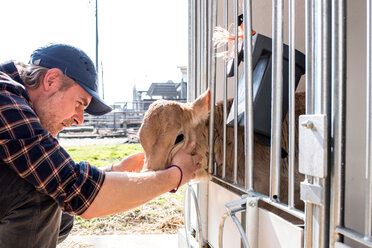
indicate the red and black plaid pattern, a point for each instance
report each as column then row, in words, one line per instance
column 36, row 156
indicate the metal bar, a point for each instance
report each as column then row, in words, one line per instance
column 199, row 231
column 236, row 80
column 191, row 52
column 241, row 231
column 351, row 234
column 199, row 51
column 276, row 98
column 284, row 207
column 231, row 213
column 339, row 116
column 368, row 211
column 310, row 63
column 220, row 230
column 322, row 83
column 225, row 17
column 212, row 81
column 205, row 41
column 291, row 110
column 248, row 120
column 309, row 43
column 251, row 219
column 187, row 216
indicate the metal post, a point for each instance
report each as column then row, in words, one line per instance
column 291, row 97
column 212, row 81
column 309, row 43
column 191, row 73
column 339, row 115
column 225, row 17
column 248, row 120
column 321, row 83
column 368, row 211
column 199, row 51
column 236, row 80
column 276, row 98
column 205, row 46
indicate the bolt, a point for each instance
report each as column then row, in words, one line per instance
column 308, row 124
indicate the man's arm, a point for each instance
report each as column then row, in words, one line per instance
column 122, row 191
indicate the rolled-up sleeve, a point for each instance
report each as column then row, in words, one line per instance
column 37, row 157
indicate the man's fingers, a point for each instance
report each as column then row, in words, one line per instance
column 197, row 159
column 190, row 147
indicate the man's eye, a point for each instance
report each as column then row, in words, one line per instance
column 179, row 139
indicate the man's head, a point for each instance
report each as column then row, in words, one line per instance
column 62, row 82
column 74, row 63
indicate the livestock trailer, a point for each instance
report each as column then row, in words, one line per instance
column 329, row 145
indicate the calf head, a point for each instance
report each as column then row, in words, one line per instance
column 169, row 126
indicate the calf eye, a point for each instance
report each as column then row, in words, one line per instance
column 179, row 139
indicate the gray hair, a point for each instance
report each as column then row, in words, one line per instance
column 32, row 75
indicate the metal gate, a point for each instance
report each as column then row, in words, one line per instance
column 335, row 87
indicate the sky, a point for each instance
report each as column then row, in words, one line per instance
column 140, row 42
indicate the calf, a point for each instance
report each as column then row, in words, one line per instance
column 169, row 126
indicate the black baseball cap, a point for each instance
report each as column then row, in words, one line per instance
column 76, row 64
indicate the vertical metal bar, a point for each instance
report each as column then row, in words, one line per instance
column 368, row 211
column 276, row 98
column 291, row 111
column 309, row 43
column 191, row 60
column 310, row 62
column 225, row 17
column 199, row 50
column 236, row 80
column 322, row 83
column 248, row 120
column 212, row 79
column 202, row 46
column 339, row 115
column 205, row 42
column 211, row 84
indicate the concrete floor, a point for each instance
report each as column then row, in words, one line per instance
column 116, row 241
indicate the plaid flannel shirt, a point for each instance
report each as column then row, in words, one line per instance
column 36, row 156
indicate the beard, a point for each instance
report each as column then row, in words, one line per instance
column 49, row 120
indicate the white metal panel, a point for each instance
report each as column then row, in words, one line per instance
column 218, row 197
column 275, row 232
column 355, row 117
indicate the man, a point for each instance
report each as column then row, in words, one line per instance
column 38, row 178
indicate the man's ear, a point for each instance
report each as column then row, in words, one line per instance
column 200, row 107
column 52, row 79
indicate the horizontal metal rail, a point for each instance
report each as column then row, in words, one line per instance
column 284, row 207
column 351, row 234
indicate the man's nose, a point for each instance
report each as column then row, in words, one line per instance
column 78, row 118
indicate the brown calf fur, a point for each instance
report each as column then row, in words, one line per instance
column 169, row 126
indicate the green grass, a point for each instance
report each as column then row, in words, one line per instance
column 102, row 155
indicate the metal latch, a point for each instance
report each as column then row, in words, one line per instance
column 313, row 145
column 312, row 193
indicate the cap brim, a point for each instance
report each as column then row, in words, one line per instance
column 96, row 106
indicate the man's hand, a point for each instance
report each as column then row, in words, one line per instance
column 188, row 162
column 132, row 163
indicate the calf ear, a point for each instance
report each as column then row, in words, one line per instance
column 200, row 107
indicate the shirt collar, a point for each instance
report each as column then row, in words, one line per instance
column 10, row 69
